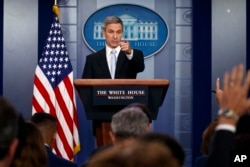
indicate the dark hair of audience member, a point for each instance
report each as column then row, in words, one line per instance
column 21, row 134
column 207, row 136
column 33, row 153
column 135, row 155
column 144, row 108
column 8, row 126
column 167, row 141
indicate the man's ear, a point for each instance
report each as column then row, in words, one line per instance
column 13, row 147
column 149, row 127
column 112, row 136
column 53, row 142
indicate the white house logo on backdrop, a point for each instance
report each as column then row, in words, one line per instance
column 143, row 28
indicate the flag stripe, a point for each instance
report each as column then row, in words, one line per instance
column 63, row 107
column 45, row 95
column 36, row 105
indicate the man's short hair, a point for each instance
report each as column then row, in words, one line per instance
column 129, row 122
column 46, row 123
column 111, row 20
column 8, row 126
column 42, row 118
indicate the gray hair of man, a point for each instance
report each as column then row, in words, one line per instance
column 129, row 123
column 111, row 20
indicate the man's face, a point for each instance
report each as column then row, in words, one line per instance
column 113, row 34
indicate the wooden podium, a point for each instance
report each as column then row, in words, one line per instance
column 102, row 98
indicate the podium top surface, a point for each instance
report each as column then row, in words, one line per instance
column 108, row 82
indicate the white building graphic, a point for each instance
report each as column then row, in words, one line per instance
column 133, row 29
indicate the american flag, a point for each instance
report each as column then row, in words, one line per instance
column 54, row 91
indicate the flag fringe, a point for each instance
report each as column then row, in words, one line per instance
column 76, row 149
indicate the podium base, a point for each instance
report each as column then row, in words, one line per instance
column 102, row 130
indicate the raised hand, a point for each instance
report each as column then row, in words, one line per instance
column 125, row 46
column 235, row 91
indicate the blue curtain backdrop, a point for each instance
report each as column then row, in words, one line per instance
column 45, row 16
column 1, row 48
column 201, row 71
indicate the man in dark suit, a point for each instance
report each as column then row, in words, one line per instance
column 47, row 125
column 129, row 61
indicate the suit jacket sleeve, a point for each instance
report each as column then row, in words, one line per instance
column 87, row 72
column 138, row 60
column 222, row 144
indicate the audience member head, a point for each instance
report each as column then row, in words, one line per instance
column 47, row 124
column 128, row 123
column 166, row 140
column 135, row 155
column 33, row 152
column 8, row 132
column 207, row 136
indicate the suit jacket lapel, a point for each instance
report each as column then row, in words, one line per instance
column 121, row 59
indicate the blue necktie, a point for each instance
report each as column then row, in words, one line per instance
column 113, row 63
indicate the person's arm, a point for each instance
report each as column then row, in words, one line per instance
column 135, row 56
column 130, row 55
column 138, row 60
column 87, row 71
column 233, row 104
